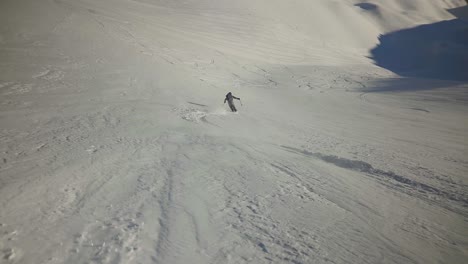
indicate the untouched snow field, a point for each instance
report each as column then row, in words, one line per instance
column 115, row 145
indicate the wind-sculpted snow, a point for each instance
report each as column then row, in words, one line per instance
column 408, row 184
column 116, row 145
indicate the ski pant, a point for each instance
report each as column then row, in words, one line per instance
column 232, row 106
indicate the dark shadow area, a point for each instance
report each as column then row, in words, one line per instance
column 460, row 12
column 420, row 109
column 436, row 51
column 366, row 6
column 197, row 104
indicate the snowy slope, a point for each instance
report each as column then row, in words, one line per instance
column 116, row 146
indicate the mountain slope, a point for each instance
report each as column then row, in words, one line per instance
column 116, row 146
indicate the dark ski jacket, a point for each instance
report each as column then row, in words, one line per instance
column 230, row 97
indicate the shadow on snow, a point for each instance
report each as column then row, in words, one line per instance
column 435, row 51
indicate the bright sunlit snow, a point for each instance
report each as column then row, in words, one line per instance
column 349, row 144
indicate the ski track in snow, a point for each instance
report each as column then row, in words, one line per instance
column 115, row 145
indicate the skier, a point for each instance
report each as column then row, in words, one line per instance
column 230, row 98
